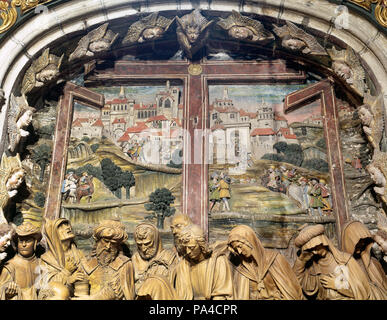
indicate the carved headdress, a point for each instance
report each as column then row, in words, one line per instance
column 45, row 61
column 347, row 59
column 235, row 19
column 153, row 21
column 102, row 33
column 291, row 31
column 192, row 32
column 18, row 106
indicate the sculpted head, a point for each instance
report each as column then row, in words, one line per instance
column 376, row 175
column 146, row 240
column 241, row 33
column 365, row 115
column 65, row 231
column 293, row 43
column 15, row 179
column 312, row 239
column 152, row 33
column 28, row 237
column 26, row 118
column 6, row 234
column 47, row 74
column 99, row 45
column 55, row 291
column 241, row 248
column 194, row 242
column 192, row 32
column 343, row 70
column 109, row 236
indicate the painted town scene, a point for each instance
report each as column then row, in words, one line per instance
column 126, row 158
column 268, row 169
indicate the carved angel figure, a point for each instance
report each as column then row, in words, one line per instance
column 11, row 177
column 372, row 119
column 19, row 118
column 244, row 28
column 192, row 32
column 348, row 66
column 97, row 40
column 149, row 28
column 296, row 39
column 378, row 172
column 43, row 70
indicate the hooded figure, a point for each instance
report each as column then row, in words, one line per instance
column 326, row 273
column 357, row 240
column 62, row 258
column 259, row 273
column 152, row 264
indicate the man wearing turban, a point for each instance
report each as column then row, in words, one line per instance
column 259, row 273
column 357, row 240
column 326, row 273
column 110, row 272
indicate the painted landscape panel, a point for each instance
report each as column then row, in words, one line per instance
column 122, row 154
column 268, row 168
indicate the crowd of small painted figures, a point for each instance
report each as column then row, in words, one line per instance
column 46, row 264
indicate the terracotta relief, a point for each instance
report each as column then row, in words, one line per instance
column 149, row 28
column 43, row 71
column 96, row 41
column 296, row 39
column 192, row 32
column 243, row 28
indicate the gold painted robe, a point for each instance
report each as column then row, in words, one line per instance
column 26, row 273
column 309, row 275
column 352, row 233
column 210, row 279
column 112, row 282
column 269, row 278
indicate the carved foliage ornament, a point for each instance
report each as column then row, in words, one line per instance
column 380, row 9
column 149, row 28
column 43, row 70
column 244, row 28
column 9, row 13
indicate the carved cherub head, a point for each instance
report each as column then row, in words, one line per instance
column 365, row 114
column 19, row 118
column 43, row 70
column 243, row 28
column 296, row 39
column 347, row 65
column 149, row 28
column 11, row 173
column 378, row 173
column 192, row 32
column 96, row 41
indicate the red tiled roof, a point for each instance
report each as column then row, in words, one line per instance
column 125, row 137
column 160, row 117
column 98, row 123
column 284, row 130
column 144, row 107
column 290, row 136
column 278, row 117
column 177, row 121
column 262, row 132
column 117, row 101
column 217, row 127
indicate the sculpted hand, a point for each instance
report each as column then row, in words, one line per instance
column 70, row 264
column 328, row 282
column 11, row 290
column 76, row 276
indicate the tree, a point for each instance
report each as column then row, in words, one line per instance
column 294, row 154
column 281, row 146
column 42, row 156
column 128, row 181
column 321, row 143
column 91, row 170
column 159, row 202
column 94, row 147
column 111, row 175
column 273, row 157
column 316, row 164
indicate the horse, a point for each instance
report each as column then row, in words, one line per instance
column 85, row 190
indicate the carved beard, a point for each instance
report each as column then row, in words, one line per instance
column 179, row 247
column 106, row 256
column 149, row 255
